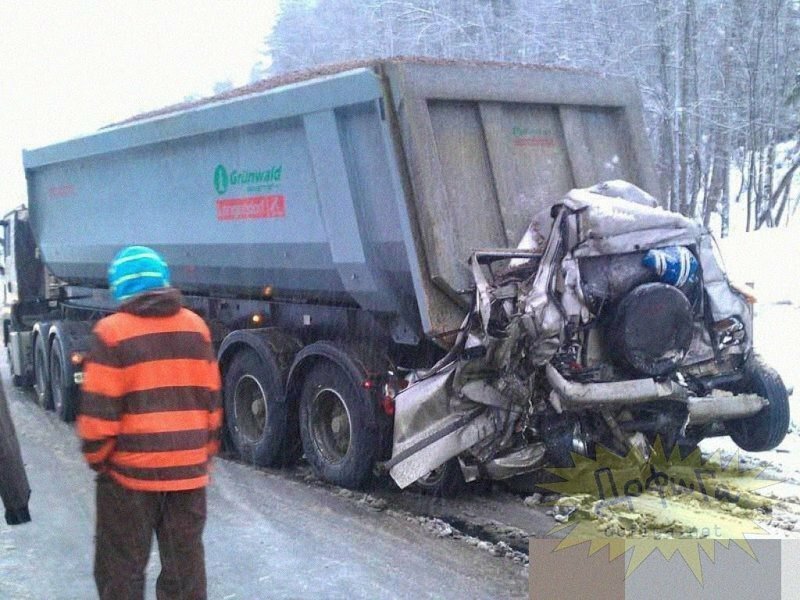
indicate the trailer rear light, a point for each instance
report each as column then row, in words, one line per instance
column 390, row 390
column 387, row 397
column 394, row 386
column 387, row 404
column 76, row 358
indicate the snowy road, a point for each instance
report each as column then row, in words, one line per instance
column 269, row 535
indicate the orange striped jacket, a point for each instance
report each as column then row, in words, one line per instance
column 150, row 410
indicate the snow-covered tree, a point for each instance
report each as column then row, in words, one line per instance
column 719, row 78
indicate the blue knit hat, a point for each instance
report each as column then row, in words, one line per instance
column 136, row 269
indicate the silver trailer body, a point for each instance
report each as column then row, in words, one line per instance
column 369, row 187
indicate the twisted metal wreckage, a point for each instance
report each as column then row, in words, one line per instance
column 621, row 328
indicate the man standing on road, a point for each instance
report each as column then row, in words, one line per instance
column 149, row 423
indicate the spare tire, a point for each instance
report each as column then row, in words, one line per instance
column 651, row 329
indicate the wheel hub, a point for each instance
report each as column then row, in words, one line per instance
column 330, row 425
column 250, row 407
column 257, row 407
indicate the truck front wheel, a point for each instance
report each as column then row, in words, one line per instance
column 337, row 426
column 62, row 390
column 41, row 371
column 255, row 413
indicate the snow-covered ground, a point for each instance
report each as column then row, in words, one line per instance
column 766, row 258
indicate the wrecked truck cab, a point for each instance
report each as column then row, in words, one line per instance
column 620, row 330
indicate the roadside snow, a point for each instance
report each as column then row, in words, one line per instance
column 767, row 259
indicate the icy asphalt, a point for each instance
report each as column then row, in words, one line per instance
column 267, row 536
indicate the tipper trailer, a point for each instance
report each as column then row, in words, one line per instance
column 351, row 238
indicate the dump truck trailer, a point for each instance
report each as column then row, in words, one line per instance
column 335, row 229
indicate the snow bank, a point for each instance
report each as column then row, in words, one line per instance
column 768, row 259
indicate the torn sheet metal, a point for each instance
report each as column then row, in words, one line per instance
column 432, row 425
column 437, row 453
column 724, row 301
column 616, row 226
column 617, row 188
column 545, row 339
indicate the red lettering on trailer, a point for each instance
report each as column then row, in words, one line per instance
column 254, row 207
column 61, row 191
column 536, row 142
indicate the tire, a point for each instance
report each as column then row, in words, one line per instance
column 446, row 481
column 20, row 381
column 62, row 390
column 255, row 409
column 685, row 447
column 338, row 427
column 41, row 374
column 766, row 429
column 534, row 482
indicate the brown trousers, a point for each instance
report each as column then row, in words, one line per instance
column 126, row 520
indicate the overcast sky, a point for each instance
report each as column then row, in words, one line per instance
column 69, row 67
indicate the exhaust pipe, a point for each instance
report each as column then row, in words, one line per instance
column 724, row 408
column 634, row 391
column 702, row 409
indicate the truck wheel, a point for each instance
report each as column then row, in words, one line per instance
column 20, row 381
column 41, row 382
column 337, row 428
column 445, row 481
column 767, row 428
column 62, row 390
column 254, row 409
